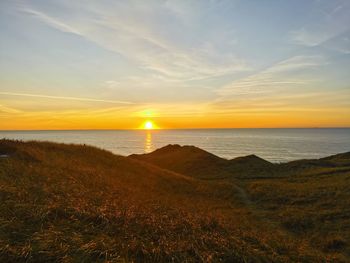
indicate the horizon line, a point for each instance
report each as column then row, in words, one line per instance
column 138, row 129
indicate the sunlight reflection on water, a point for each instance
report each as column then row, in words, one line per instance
column 148, row 142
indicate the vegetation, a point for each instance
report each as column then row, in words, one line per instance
column 195, row 162
column 71, row 203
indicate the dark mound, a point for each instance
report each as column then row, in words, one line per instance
column 303, row 166
column 342, row 159
column 195, row 162
column 251, row 166
column 188, row 160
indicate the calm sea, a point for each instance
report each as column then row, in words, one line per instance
column 276, row 145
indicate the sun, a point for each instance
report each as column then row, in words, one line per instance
column 148, row 125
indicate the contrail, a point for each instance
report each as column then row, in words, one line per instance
column 64, row 98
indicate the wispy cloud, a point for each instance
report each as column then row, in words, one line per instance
column 65, row 98
column 307, row 38
column 310, row 105
column 51, row 21
column 8, row 110
column 327, row 21
column 137, row 39
column 284, row 74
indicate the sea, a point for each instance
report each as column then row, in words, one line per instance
column 275, row 145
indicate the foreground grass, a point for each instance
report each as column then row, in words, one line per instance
column 68, row 203
column 314, row 207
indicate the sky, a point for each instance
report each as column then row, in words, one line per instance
column 112, row 64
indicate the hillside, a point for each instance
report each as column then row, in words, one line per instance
column 195, row 162
column 188, row 160
column 251, row 166
column 71, row 203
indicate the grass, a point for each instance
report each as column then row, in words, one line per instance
column 70, row 203
column 314, row 207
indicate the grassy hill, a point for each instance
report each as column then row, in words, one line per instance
column 70, row 203
column 188, row 160
column 195, row 162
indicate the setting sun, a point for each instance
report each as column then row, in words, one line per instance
column 149, row 125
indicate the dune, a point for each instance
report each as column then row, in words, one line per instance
column 188, row 160
column 73, row 203
column 195, row 162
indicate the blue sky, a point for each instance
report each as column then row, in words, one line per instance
column 236, row 61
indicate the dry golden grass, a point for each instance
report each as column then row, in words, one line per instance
column 69, row 203
column 314, row 207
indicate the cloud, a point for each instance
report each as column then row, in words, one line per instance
column 308, row 38
column 51, row 21
column 64, row 98
column 285, row 74
column 146, row 43
column 340, row 43
column 156, row 88
column 308, row 102
column 327, row 21
column 290, row 86
column 7, row 110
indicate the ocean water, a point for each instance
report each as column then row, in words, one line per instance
column 276, row 145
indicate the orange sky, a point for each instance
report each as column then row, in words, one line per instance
column 117, row 120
